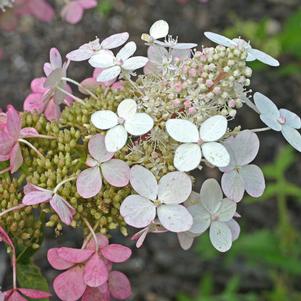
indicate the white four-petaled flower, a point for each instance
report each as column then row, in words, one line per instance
column 253, row 54
column 161, row 199
column 114, row 65
column 279, row 120
column 127, row 120
column 197, row 142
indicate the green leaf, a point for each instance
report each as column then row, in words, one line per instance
column 30, row 276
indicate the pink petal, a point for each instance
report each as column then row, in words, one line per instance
column 30, row 188
column 55, row 58
column 90, row 84
column 13, row 122
column 116, row 172
column 37, row 85
column 97, row 148
column 87, row 4
column 41, row 10
column 34, row 294
column 16, row 158
column 15, row 296
column 74, row 255
column 36, row 197
column 64, row 210
column 96, row 272
column 96, row 294
column 47, row 69
column 89, row 182
column 34, row 103
column 116, row 253
column 72, row 12
column 140, row 237
column 119, row 285
column 70, row 286
column 56, row 261
column 52, row 112
column 102, row 242
column 28, row 132
column 6, row 144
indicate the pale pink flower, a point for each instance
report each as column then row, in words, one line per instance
column 73, row 11
column 36, row 195
column 11, row 134
column 116, row 172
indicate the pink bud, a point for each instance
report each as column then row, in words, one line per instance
column 217, row 90
column 193, row 72
column 209, row 83
column 192, row 110
column 178, row 87
column 176, row 102
column 232, row 103
column 187, row 103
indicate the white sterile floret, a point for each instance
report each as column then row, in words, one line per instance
column 279, row 120
column 253, row 54
column 113, row 66
column 162, row 200
column 215, row 212
column 199, row 142
column 127, row 120
column 157, row 31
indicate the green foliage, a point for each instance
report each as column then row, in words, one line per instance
column 29, row 276
column 105, row 7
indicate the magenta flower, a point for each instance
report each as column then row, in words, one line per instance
column 116, row 172
column 36, row 195
column 73, row 11
column 88, row 271
column 47, row 92
column 11, row 134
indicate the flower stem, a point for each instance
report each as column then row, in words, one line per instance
column 59, row 185
column 260, row 130
column 67, row 79
column 32, row 147
column 71, row 95
column 4, row 170
column 92, row 233
column 44, row 137
column 20, row 206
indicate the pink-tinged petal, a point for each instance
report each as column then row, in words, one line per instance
column 37, row 85
column 16, row 158
column 253, row 179
column 4, row 237
column 47, row 69
column 70, row 285
column 102, row 242
column 15, row 296
column 56, row 261
column 137, row 211
column 89, row 182
column 52, row 112
column 119, row 285
column 41, row 10
column 31, row 188
column 63, row 209
column 186, row 239
column 96, row 294
column 97, row 148
column 174, row 188
column 72, row 12
column 87, row 4
column 96, row 272
column 55, row 58
column 28, row 133
column 118, row 85
column 115, row 40
column 140, row 237
column 80, row 54
column 90, row 84
column 144, row 182
column 116, row 172
column 34, row 103
column 68, row 100
column 34, row 294
column 36, row 197
column 13, row 122
column 7, row 143
column 74, row 255
column 175, row 218
column 233, row 185
column 116, row 253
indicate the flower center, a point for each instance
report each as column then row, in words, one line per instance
column 157, row 203
column 282, row 120
column 119, row 62
column 121, row 120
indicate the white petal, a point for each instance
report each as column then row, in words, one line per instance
column 219, row 39
column 115, row 40
column 175, row 218
column 193, row 199
column 139, row 124
column 79, row 55
column 104, row 119
column 185, row 240
column 213, row 128
column 116, row 138
column 253, row 179
column 216, row 154
column 271, row 122
column 266, row 106
column 291, row 119
column 220, row 236
column 184, row 46
column 144, row 182
column 174, row 188
column 159, row 29
column 109, row 74
column 233, row 185
column 235, row 228
column 137, row 211
column 292, row 136
column 264, row 57
column 134, row 63
column 226, row 211
column 201, row 219
column 156, row 54
column 182, row 130
column 103, row 59
column 126, row 51
column 127, row 108
column 187, row 157
column 211, row 195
